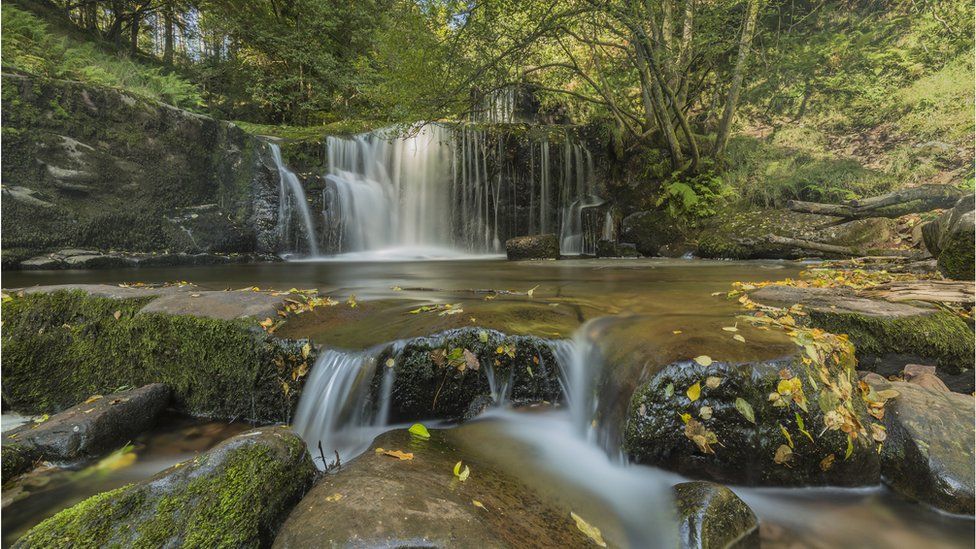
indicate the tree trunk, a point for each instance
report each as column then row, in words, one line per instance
column 830, row 248
column 168, row 33
column 134, row 35
column 745, row 43
column 915, row 200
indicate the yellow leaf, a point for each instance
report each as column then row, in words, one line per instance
column 334, row 497
column 117, row 315
column 694, row 392
column 463, row 475
column 402, row 456
column 704, row 360
column 730, row 328
column 92, row 398
column 42, row 419
column 477, row 503
column 352, row 301
column 306, row 349
column 676, row 332
column 457, row 468
column 685, row 417
column 591, row 531
column 739, row 338
column 418, row 430
column 532, row 291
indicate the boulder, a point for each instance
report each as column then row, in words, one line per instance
column 378, row 500
column 443, row 375
column 712, row 516
column 235, row 495
column 16, row 459
column 540, row 246
column 742, row 235
column 609, row 248
column 950, row 239
column 928, row 454
column 887, row 335
column 649, row 231
column 93, row 427
column 775, row 423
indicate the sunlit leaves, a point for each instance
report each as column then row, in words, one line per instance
column 591, row 531
column 745, row 409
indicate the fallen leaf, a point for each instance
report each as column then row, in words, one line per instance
column 334, row 497
column 702, row 437
column 306, row 349
column 591, row 531
column 669, row 390
column 676, row 332
column 739, row 338
column 783, row 455
column 704, row 360
column 532, row 291
column 390, row 363
column 117, row 315
column 418, row 430
column 694, row 392
column 712, row 382
column 463, row 475
column 730, row 328
column 92, row 398
column 745, row 409
column 471, row 360
column 402, row 456
column 827, row 462
column 477, row 503
column 705, row 413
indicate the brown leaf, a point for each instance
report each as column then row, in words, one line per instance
column 402, row 456
column 471, row 360
column 783, row 455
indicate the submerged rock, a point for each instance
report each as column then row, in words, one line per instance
column 443, row 375
column 928, row 454
column 235, row 495
column 609, row 248
column 774, row 423
column 93, row 427
column 541, row 246
column 378, row 500
column 886, row 335
column 711, row 516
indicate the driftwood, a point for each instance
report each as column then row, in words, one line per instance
column 833, row 249
column 934, row 291
column 906, row 201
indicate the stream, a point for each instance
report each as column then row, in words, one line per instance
column 610, row 318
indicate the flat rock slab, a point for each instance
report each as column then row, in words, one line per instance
column 928, row 454
column 834, row 300
column 92, row 428
column 184, row 300
column 381, row 501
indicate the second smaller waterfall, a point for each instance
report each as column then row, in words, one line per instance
column 291, row 199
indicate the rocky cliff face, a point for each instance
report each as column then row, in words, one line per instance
column 95, row 168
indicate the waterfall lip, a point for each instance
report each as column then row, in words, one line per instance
column 399, row 254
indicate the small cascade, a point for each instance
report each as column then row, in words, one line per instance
column 459, row 188
column 291, row 197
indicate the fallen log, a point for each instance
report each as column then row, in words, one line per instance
column 896, row 204
column 833, row 249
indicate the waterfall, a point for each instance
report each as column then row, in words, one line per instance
column 453, row 188
column 291, row 196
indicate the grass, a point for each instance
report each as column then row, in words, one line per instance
column 30, row 46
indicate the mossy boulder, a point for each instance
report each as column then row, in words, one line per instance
column 442, row 375
column 540, row 246
column 609, row 248
column 235, row 495
column 650, row 231
column 928, row 455
column 950, row 239
column 742, row 235
column 62, row 347
column 98, row 425
column 881, row 331
column 17, row 459
column 712, row 516
column 721, row 422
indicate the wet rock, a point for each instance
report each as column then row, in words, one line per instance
column 649, row 231
column 16, row 459
column 442, row 375
column 96, row 261
column 886, row 335
column 928, row 454
column 609, row 248
column 541, row 246
column 380, row 501
column 742, row 235
column 478, row 406
column 92, row 428
column 711, row 515
column 713, row 437
column 950, row 239
column 235, row 495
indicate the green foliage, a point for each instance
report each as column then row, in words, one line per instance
column 695, row 196
column 61, row 347
column 29, row 46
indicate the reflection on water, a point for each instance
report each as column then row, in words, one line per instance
column 40, row 494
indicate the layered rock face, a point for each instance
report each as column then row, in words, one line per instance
column 94, row 168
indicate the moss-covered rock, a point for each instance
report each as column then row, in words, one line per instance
column 61, row 347
column 235, row 495
column 440, row 376
column 950, row 239
column 881, row 330
column 540, row 246
column 650, row 231
column 742, row 235
column 732, row 429
column 16, row 459
column 710, row 515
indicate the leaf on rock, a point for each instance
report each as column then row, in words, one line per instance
column 702, row 437
column 704, row 360
column 739, row 338
column 334, row 497
column 92, row 398
column 418, row 430
column 478, row 504
column 117, row 315
column 712, row 382
column 471, row 360
column 694, row 392
column 705, row 413
column 669, row 390
column 745, row 409
column 827, row 462
column 783, row 455
column 402, row 456
column 591, row 531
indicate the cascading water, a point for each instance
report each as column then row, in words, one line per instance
column 453, row 188
column 291, row 198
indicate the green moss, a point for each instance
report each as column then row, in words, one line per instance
column 941, row 336
column 233, row 496
column 61, row 347
column 16, row 459
column 958, row 260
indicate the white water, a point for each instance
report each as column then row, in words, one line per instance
column 454, row 190
column 291, row 198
